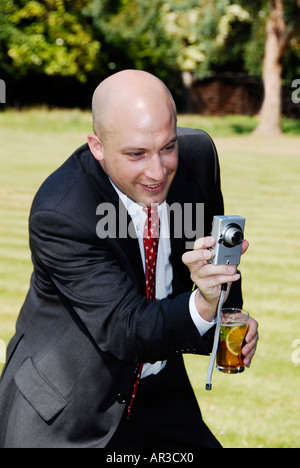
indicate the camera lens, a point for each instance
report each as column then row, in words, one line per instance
column 232, row 235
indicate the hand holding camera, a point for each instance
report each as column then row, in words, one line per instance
column 229, row 234
column 213, row 261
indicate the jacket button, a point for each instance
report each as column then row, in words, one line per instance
column 121, row 398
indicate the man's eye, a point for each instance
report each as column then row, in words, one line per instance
column 169, row 149
column 135, row 155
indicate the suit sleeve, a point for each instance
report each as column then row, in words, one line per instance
column 82, row 270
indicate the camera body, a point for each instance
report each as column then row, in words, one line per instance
column 229, row 234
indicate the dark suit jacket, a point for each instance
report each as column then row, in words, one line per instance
column 86, row 322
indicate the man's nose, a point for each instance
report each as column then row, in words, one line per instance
column 156, row 168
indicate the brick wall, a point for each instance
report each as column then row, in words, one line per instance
column 233, row 94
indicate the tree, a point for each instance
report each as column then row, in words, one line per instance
column 281, row 27
column 51, row 37
column 134, row 36
column 211, row 34
column 86, row 40
column 135, row 29
column 261, row 37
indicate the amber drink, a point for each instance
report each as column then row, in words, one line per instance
column 232, row 334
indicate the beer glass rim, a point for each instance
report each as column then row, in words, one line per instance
column 235, row 310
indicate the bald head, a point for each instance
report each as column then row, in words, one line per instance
column 125, row 93
column 135, row 139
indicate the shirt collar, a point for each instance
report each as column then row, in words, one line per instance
column 133, row 208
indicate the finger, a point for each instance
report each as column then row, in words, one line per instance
column 248, row 356
column 250, row 344
column 252, row 330
column 213, row 281
column 251, row 339
column 250, row 347
column 245, row 246
column 210, row 276
column 204, row 242
column 196, row 257
column 216, row 270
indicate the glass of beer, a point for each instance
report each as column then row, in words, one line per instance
column 232, row 334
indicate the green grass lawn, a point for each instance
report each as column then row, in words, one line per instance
column 260, row 408
column 260, row 180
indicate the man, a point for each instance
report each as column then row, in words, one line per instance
column 88, row 322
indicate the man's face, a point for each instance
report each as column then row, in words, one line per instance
column 140, row 154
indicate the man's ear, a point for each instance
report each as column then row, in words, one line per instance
column 95, row 146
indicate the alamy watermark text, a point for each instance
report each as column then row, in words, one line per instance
column 184, row 221
column 2, row 351
column 2, row 92
column 296, row 93
column 295, row 357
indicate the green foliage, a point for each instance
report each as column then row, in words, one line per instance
column 49, row 36
column 188, row 35
column 96, row 37
column 224, row 35
column 135, row 29
column 255, row 45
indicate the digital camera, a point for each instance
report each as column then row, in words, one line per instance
column 229, row 234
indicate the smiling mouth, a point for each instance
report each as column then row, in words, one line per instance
column 154, row 187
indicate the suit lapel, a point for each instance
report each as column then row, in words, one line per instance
column 130, row 247
column 120, row 242
column 183, row 191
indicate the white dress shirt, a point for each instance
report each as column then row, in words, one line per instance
column 164, row 272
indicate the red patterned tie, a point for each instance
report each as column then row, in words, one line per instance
column 151, row 238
